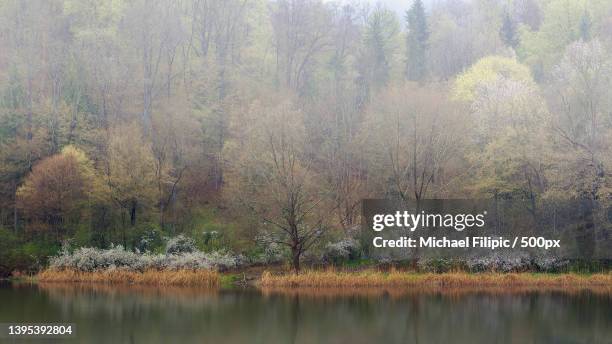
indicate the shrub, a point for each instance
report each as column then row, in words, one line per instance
column 180, row 244
column 438, row 265
column 495, row 262
column 89, row 259
column 268, row 251
column 271, row 253
column 150, row 241
column 343, row 250
column 500, row 263
column 550, row 264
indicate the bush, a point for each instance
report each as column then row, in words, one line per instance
column 438, row 265
column 267, row 251
column 8, row 242
column 180, row 244
column 550, row 264
column 343, row 250
column 150, row 241
column 500, row 263
column 495, row 262
column 89, row 259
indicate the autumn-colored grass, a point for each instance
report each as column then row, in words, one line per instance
column 207, row 278
column 394, row 278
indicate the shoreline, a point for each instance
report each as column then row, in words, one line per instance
column 204, row 278
column 315, row 279
column 370, row 278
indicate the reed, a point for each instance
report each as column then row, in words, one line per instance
column 394, row 278
column 208, row 278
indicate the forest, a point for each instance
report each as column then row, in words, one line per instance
column 258, row 126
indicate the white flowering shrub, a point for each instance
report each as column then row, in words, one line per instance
column 499, row 262
column 550, row 264
column 117, row 256
column 495, row 262
column 271, row 253
column 345, row 249
column 199, row 260
column 92, row 259
column 180, row 244
column 268, row 250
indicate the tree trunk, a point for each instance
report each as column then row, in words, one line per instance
column 15, row 207
column 295, row 252
column 133, row 214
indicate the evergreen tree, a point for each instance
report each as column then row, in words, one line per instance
column 585, row 26
column 416, row 42
column 508, row 32
column 374, row 62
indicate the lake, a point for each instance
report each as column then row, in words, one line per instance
column 134, row 314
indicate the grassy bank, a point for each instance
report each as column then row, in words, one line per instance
column 208, row 278
column 373, row 278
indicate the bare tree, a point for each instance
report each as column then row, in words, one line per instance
column 301, row 32
column 411, row 134
column 278, row 183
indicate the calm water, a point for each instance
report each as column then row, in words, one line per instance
column 105, row 314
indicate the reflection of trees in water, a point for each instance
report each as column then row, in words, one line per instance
column 117, row 300
column 295, row 319
column 305, row 317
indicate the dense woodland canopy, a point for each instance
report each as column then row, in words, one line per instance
column 239, row 122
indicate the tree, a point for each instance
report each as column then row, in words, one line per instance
column 130, row 171
column 58, row 187
column 378, row 48
column 508, row 32
column 411, row 136
column 585, row 26
column 511, row 153
column 450, row 49
column 544, row 48
column 416, row 42
column 278, row 182
column 528, row 12
column 153, row 28
column 175, row 147
column 488, row 69
column 580, row 95
column 301, row 31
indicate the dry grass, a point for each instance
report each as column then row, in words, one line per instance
column 207, row 278
column 394, row 278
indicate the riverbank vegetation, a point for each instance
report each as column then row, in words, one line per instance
column 396, row 278
column 255, row 127
column 199, row 278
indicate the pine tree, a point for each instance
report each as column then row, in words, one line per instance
column 416, row 42
column 508, row 32
column 585, row 26
column 374, row 63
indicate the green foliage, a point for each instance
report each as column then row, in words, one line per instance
column 586, row 26
column 379, row 45
column 489, row 69
column 564, row 22
column 211, row 232
column 8, row 252
column 151, row 240
column 508, row 31
column 416, row 42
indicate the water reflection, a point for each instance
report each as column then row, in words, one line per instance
column 132, row 314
